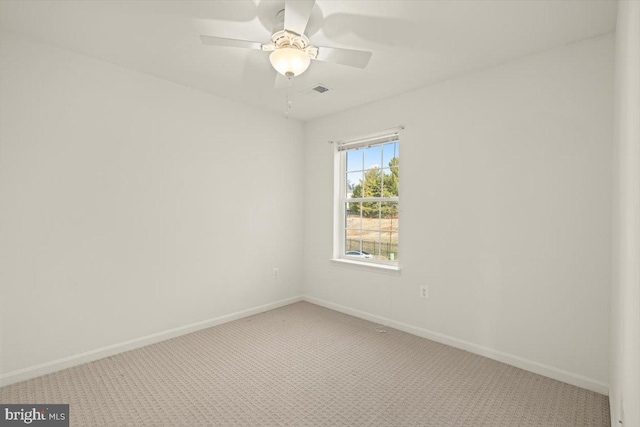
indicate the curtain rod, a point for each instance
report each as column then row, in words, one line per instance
column 369, row 136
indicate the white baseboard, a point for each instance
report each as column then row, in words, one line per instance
column 100, row 353
column 517, row 361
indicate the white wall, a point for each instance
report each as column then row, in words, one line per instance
column 625, row 295
column 131, row 205
column 505, row 212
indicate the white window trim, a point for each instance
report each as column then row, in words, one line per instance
column 339, row 201
column 367, row 266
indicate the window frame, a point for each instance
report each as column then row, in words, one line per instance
column 340, row 201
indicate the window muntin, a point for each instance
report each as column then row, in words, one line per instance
column 369, row 202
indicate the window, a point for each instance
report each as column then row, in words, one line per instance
column 367, row 200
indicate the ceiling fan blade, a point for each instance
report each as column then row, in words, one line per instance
column 296, row 14
column 221, row 41
column 352, row 58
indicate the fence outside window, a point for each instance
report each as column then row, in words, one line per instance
column 386, row 248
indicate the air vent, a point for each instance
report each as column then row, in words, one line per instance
column 315, row 90
column 320, row 89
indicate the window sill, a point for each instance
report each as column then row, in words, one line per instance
column 367, row 266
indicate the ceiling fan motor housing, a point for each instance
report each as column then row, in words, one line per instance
column 283, row 38
column 288, row 39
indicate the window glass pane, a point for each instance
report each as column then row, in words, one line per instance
column 371, row 227
column 371, row 242
column 371, row 215
column 352, row 215
column 389, row 183
column 354, row 185
column 372, row 183
column 373, row 157
column 389, row 231
column 371, row 211
column 389, row 216
column 389, row 247
column 389, row 151
column 354, row 160
column 352, row 242
column 370, row 247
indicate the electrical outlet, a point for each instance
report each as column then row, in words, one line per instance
column 276, row 272
column 424, row 291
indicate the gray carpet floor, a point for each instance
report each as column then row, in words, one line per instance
column 304, row 365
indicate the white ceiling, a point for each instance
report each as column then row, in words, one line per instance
column 414, row 43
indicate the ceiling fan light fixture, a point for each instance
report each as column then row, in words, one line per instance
column 289, row 61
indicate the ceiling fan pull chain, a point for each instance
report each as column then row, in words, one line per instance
column 288, row 105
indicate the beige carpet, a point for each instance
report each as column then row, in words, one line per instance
column 304, row 365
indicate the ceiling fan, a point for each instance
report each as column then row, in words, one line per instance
column 291, row 53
